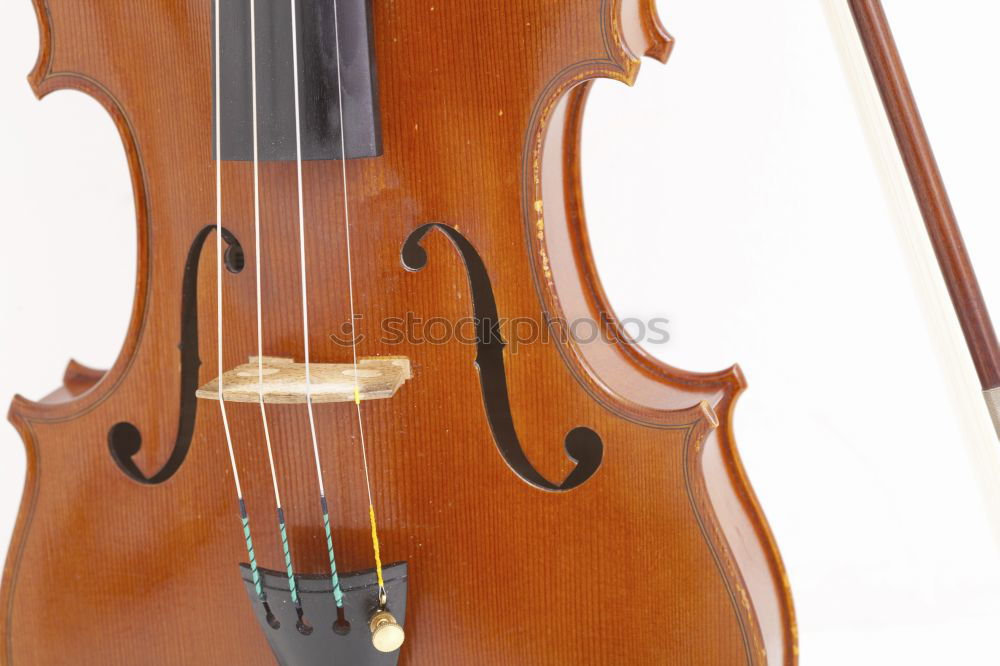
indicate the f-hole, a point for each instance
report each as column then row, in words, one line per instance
column 125, row 439
column 583, row 446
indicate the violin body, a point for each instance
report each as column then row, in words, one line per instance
column 127, row 547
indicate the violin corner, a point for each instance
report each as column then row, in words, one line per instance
column 661, row 42
column 40, row 71
column 640, row 29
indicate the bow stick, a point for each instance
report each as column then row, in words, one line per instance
column 932, row 197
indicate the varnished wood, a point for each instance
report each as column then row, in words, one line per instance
column 928, row 186
column 481, row 110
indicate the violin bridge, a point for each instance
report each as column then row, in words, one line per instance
column 285, row 381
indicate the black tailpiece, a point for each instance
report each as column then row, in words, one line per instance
column 330, row 638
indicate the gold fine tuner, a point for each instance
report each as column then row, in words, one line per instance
column 387, row 635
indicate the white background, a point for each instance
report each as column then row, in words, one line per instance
column 744, row 163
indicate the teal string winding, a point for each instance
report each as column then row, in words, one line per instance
column 254, row 573
column 338, row 593
column 292, row 587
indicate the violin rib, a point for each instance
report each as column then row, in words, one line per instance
column 633, row 383
column 52, row 73
column 635, row 372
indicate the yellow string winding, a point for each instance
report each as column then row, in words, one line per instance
column 378, row 556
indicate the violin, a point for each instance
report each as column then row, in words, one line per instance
column 319, row 443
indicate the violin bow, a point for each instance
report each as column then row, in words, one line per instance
column 931, row 196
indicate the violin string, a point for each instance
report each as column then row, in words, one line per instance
column 334, row 577
column 244, row 517
column 282, row 529
column 350, row 288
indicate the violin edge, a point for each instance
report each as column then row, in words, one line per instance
column 43, row 81
column 22, row 524
column 731, row 381
column 727, row 480
column 43, row 60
